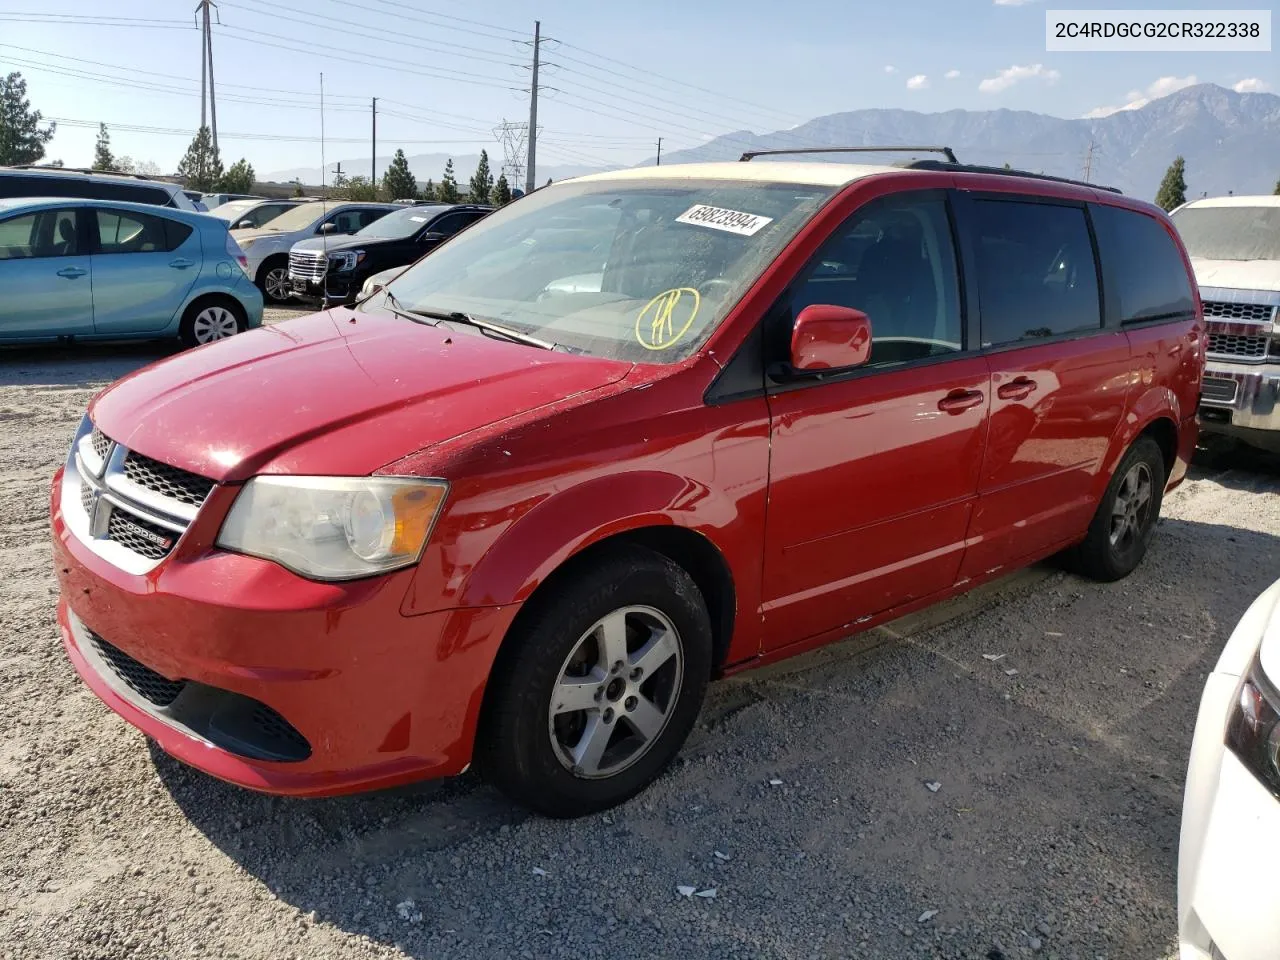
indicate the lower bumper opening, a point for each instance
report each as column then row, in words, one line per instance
column 230, row 721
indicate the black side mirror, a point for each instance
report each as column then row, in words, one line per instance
column 432, row 236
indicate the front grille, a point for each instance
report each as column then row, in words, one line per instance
column 143, row 538
column 1218, row 389
column 139, row 678
column 1232, row 345
column 307, row 266
column 1227, row 310
column 279, row 732
column 167, row 481
column 86, row 497
column 101, row 444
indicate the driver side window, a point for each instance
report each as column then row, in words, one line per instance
column 895, row 261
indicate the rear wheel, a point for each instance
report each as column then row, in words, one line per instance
column 208, row 320
column 594, row 696
column 273, row 280
column 1126, row 518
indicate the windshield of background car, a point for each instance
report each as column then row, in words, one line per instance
column 232, row 208
column 400, row 224
column 301, row 216
column 639, row 270
column 1230, row 233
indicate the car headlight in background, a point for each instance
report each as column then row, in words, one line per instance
column 1253, row 729
column 346, row 260
column 334, row 528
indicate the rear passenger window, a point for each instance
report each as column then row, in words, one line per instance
column 120, row 232
column 175, row 234
column 893, row 260
column 1036, row 271
column 51, row 233
column 1146, row 274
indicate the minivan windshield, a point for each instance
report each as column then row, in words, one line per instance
column 398, row 225
column 639, row 270
column 1230, row 233
column 303, row 215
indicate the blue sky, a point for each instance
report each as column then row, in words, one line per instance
column 619, row 75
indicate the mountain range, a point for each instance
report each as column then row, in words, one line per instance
column 425, row 166
column 1230, row 141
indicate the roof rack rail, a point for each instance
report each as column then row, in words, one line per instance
column 53, row 169
column 945, row 151
column 1000, row 171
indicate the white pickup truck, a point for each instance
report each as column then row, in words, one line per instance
column 1234, row 243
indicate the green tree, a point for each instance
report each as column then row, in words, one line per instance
column 428, row 191
column 1276, row 191
column 398, row 181
column 201, row 168
column 501, row 194
column 447, row 192
column 239, row 179
column 102, row 158
column 297, row 188
column 22, row 139
column 1173, row 188
column 337, row 186
column 1007, row 165
column 481, row 180
column 360, row 188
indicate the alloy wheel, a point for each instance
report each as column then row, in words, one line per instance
column 616, row 692
column 276, row 283
column 214, row 323
column 1132, row 507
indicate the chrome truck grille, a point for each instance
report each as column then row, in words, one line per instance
column 306, row 266
column 130, row 509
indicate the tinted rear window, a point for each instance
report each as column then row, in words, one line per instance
column 1145, row 271
column 59, row 185
column 1037, row 276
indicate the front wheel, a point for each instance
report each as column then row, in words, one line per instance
column 596, row 693
column 210, row 320
column 273, row 281
column 1126, row 518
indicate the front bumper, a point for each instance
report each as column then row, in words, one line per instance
column 364, row 696
column 1228, row 907
column 1242, row 401
column 336, row 288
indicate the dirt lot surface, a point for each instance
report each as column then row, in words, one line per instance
column 805, row 799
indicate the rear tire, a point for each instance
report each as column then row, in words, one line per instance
column 1126, row 518
column 210, row 320
column 595, row 694
column 273, row 280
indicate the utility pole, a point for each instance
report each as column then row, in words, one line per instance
column 530, row 172
column 206, row 68
column 373, row 163
column 659, row 163
column 1088, row 162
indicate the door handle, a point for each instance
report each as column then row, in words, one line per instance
column 958, row 401
column 1017, row 389
column 181, row 263
column 72, row 272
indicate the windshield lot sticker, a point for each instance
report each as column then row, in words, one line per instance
column 667, row 318
column 730, row 221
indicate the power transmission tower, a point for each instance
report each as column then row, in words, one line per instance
column 1088, row 161
column 206, row 65
column 531, row 171
column 513, row 137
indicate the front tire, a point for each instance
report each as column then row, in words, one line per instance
column 597, row 691
column 273, row 281
column 207, row 321
column 1126, row 518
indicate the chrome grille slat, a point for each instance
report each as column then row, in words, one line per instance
column 167, row 481
column 1235, row 346
column 1246, row 312
column 307, row 266
column 101, row 443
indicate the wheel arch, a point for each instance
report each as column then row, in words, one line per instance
column 1156, row 413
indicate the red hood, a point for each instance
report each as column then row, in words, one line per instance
column 335, row 393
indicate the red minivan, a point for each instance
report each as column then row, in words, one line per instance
column 630, row 433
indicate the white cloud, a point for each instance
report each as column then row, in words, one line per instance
column 1251, row 85
column 1137, row 99
column 952, row 74
column 918, row 82
column 1016, row 74
column 890, row 68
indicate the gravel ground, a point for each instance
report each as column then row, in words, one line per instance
column 898, row 795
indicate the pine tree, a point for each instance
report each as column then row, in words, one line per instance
column 428, row 191
column 447, row 192
column 501, row 194
column 398, row 182
column 22, row 139
column 102, row 158
column 1173, row 188
column 481, row 180
column 201, row 168
column 239, row 179
column 1276, row 191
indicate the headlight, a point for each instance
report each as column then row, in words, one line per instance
column 346, row 260
column 334, row 528
column 1253, row 730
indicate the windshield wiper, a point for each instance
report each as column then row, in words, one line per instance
column 488, row 326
